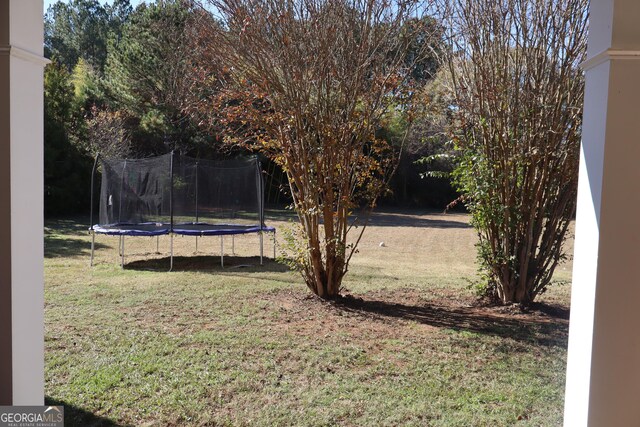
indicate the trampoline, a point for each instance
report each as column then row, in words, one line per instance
column 179, row 195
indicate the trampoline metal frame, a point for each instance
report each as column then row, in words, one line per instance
column 121, row 246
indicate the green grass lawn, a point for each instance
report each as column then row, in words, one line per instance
column 248, row 345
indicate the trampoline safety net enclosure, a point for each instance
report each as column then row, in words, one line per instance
column 176, row 194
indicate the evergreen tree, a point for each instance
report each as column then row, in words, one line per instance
column 66, row 168
column 81, row 29
column 148, row 75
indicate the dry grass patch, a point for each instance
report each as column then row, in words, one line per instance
column 408, row 344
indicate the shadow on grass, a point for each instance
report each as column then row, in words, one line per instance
column 528, row 328
column 389, row 218
column 75, row 416
column 275, row 214
column 62, row 238
column 552, row 310
column 209, row 263
column 66, row 226
column 59, row 246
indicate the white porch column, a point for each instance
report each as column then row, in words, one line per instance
column 21, row 203
column 603, row 372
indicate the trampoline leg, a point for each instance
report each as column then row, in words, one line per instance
column 261, row 247
column 196, row 244
column 233, row 244
column 93, row 245
column 157, row 244
column 122, row 262
column 171, row 249
column 222, row 251
column 274, row 245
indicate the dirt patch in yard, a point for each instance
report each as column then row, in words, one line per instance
column 389, row 314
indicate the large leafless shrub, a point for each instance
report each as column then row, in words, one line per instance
column 308, row 83
column 518, row 92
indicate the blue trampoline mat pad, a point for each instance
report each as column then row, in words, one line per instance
column 128, row 229
column 206, row 229
column 185, row 229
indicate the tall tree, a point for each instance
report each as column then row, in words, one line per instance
column 407, row 186
column 81, row 29
column 148, row 74
column 66, row 167
column 308, row 83
column 518, row 92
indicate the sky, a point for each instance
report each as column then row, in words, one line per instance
column 134, row 3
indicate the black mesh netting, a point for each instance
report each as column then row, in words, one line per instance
column 173, row 189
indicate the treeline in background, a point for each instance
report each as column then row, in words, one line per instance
column 121, row 82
